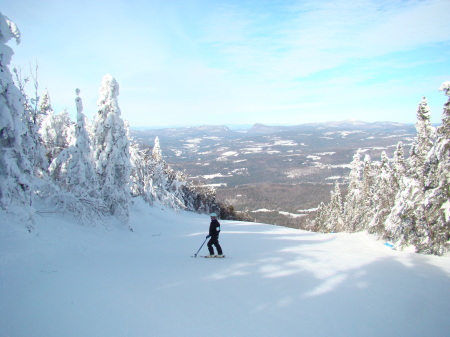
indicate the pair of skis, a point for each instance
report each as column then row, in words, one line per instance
column 210, row 256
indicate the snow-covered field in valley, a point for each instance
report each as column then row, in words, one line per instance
column 65, row 279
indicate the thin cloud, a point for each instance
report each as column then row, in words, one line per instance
column 222, row 62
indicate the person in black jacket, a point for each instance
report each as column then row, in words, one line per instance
column 214, row 230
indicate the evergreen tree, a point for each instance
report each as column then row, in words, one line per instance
column 111, row 150
column 57, row 133
column 415, row 164
column 434, row 231
column 167, row 183
column 141, row 181
column 353, row 199
column 406, row 214
column 81, row 177
column 45, row 108
column 367, row 189
column 16, row 171
column 426, row 135
column 73, row 171
column 399, row 168
column 321, row 218
column 335, row 215
column 156, row 152
column 385, row 190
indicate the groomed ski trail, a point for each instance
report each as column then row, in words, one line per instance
column 71, row 280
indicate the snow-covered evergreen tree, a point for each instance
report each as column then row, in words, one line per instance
column 141, row 181
column 434, row 232
column 45, row 107
column 426, row 135
column 335, row 217
column 167, row 188
column 321, row 218
column 353, row 199
column 73, row 171
column 367, row 191
column 57, row 133
column 32, row 118
column 16, row 171
column 81, row 171
column 111, row 150
column 385, row 190
column 73, row 168
column 399, row 166
column 406, row 214
column 156, row 152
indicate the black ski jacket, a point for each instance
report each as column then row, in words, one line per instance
column 214, row 228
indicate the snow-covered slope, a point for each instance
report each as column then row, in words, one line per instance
column 65, row 279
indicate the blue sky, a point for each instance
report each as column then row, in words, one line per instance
column 198, row 62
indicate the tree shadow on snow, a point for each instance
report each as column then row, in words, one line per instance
column 332, row 289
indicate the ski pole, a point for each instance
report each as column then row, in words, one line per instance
column 195, row 255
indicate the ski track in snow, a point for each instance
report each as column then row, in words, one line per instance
column 65, row 279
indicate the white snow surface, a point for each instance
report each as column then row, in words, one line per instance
column 65, row 279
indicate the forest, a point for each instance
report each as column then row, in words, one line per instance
column 403, row 201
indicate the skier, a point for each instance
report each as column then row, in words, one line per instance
column 214, row 230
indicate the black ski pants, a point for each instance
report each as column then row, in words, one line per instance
column 214, row 241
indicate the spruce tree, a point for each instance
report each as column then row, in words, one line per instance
column 426, row 133
column 399, row 166
column 335, row 216
column 434, row 230
column 385, row 190
column 321, row 218
column 367, row 189
column 353, row 199
column 57, row 133
column 111, row 150
column 81, row 173
column 16, row 171
column 142, row 164
column 156, row 152
column 426, row 136
column 73, row 171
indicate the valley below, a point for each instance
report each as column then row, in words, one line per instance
column 276, row 174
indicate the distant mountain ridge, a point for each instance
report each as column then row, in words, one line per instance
column 260, row 128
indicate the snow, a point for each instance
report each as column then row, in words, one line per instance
column 334, row 178
column 249, row 150
column 230, row 153
column 307, row 210
column 284, row 143
column 343, row 134
column 217, row 185
column 292, row 215
column 325, row 153
column 65, row 279
column 446, row 209
column 263, row 210
column 212, row 176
